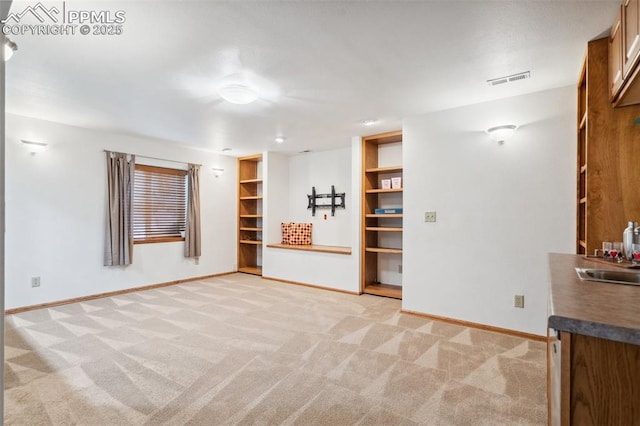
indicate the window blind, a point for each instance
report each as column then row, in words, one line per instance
column 159, row 202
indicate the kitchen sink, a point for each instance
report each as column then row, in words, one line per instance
column 609, row 276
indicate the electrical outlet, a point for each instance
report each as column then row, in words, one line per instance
column 35, row 281
column 429, row 216
column 518, row 301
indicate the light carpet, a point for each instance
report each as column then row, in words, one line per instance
column 242, row 350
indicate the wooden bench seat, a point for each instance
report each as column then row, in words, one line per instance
column 313, row 247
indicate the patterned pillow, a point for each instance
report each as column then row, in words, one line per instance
column 285, row 227
column 300, row 233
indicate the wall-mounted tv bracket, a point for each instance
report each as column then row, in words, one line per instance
column 336, row 201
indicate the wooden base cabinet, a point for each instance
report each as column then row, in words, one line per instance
column 592, row 381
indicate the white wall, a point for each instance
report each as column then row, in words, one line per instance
column 55, row 215
column 276, row 196
column 500, row 209
column 321, row 169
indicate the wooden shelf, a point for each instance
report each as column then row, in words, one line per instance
column 385, row 138
column 386, row 290
column 391, row 169
column 256, row 158
column 255, row 270
column 381, row 191
column 252, row 197
column 256, row 242
column 386, row 216
column 246, row 181
column 383, row 229
column 383, row 250
column 251, row 229
column 251, row 216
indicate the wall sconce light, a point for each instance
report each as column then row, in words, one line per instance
column 9, row 47
column 502, row 133
column 217, row 172
column 34, row 147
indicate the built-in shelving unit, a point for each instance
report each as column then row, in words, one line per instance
column 381, row 233
column 607, row 154
column 250, row 215
column 581, row 233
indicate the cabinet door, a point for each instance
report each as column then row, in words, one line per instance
column 615, row 56
column 553, row 379
column 631, row 35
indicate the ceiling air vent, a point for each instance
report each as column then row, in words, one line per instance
column 509, row 78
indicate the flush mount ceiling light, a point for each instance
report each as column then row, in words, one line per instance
column 369, row 121
column 34, row 147
column 502, row 133
column 238, row 93
column 9, row 47
column 280, row 139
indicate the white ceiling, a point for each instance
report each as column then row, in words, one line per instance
column 321, row 67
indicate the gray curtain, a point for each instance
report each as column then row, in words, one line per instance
column 118, row 230
column 192, row 232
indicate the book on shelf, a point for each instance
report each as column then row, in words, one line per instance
column 388, row 211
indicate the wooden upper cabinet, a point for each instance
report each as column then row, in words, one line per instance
column 630, row 35
column 615, row 56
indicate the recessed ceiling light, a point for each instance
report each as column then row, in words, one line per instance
column 236, row 93
column 280, row 139
column 226, row 149
column 369, row 121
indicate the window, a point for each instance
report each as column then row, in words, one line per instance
column 159, row 204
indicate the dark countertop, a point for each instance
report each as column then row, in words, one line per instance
column 608, row 311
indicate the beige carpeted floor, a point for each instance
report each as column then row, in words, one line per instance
column 242, row 350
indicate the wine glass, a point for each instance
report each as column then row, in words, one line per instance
column 635, row 253
column 616, row 251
